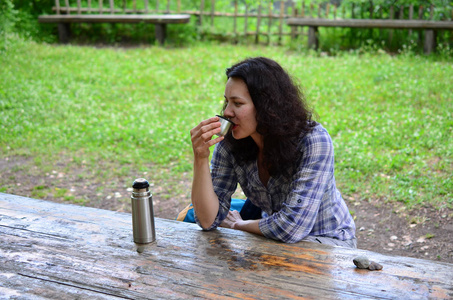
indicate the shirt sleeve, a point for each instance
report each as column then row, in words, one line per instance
column 224, row 181
column 309, row 185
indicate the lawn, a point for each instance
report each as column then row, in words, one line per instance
column 114, row 110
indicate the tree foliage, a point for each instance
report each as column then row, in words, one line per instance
column 8, row 16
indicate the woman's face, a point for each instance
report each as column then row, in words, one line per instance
column 240, row 110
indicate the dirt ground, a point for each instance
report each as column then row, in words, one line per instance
column 388, row 228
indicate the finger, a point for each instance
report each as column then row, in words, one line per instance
column 208, row 132
column 210, row 127
column 236, row 213
column 205, row 132
column 211, row 142
column 207, row 122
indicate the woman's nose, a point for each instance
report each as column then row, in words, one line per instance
column 228, row 112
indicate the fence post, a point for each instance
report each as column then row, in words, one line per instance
column 392, row 12
column 313, row 42
column 371, row 17
column 200, row 18
column 269, row 24
column 293, row 28
column 212, row 13
column 302, row 14
column 411, row 16
column 430, row 35
column 235, row 20
column 57, row 5
column 280, row 28
column 420, row 17
column 246, row 19
column 64, row 29
column 258, row 23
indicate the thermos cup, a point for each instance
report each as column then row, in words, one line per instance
column 225, row 126
column 142, row 212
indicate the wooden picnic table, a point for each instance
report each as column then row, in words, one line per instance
column 62, row 251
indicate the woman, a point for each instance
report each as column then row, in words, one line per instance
column 282, row 159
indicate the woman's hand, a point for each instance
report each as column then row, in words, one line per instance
column 201, row 137
column 232, row 218
column 235, row 221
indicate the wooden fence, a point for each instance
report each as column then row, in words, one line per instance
column 237, row 19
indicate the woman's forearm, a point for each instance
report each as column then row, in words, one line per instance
column 204, row 199
column 251, row 226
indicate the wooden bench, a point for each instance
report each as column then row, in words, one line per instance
column 429, row 26
column 67, row 14
column 59, row 251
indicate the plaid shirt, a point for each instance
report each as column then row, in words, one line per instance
column 293, row 208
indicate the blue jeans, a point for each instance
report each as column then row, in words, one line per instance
column 246, row 208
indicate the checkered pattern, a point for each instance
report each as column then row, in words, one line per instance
column 293, row 208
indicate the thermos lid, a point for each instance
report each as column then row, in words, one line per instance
column 140, row 183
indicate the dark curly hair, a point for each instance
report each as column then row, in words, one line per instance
column 281, row 113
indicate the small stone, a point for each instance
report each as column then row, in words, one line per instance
column 421, row 239
column 374, row 266
column 362, row 229
column 361, row 262
column 393, row 238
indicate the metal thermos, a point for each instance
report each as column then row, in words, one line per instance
column 142, row 212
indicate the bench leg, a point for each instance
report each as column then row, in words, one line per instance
column 161, row 31
column 430, row 41
column 313, row 42
column 64, row 32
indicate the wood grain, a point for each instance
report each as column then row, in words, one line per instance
column 103, row 18
column 371, row 23
column 52, row 250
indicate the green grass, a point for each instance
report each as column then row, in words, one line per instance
column 390, row 117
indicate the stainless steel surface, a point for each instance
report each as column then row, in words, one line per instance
column 142, row 212
column 225, row 126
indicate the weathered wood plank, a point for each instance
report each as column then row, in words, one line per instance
column 102, row 18
column 53, row 250
column 371, row 23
